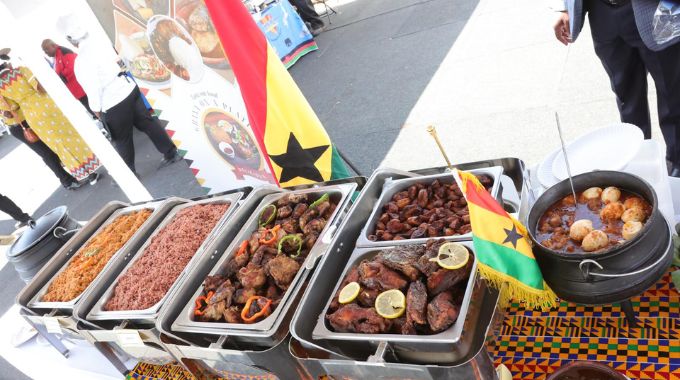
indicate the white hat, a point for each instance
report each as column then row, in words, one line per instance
column 71, row 26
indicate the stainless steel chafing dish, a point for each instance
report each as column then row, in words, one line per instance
column 265, row 331
column 392, row 186
column 148, row 315
column 136, row 238
column 444, row 341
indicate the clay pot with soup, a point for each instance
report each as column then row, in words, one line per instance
column 612, row 227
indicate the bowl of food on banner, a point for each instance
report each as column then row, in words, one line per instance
column 613, row 226
column 144, row 65
column 175, row 48
column 143, row 10
column 194, row 17
column 231, row 139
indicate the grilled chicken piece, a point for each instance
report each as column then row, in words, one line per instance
column 232, row 315
column 309, row 239
column 261, row 252
column 214, row 312
column 212, row 282
column 314, row 226
column 352, row 276
column 289, row 199
column 254, row 242
column 223, row 293
column 283, row 270
column 367, row 297
column 445, row 279
column 241, row 296
column 299, row 209
column 323, row 207
column 416, row 303
column 402, row 259
column 353, row 318
column 441, row 312
column 252, row 276
column 309, row 214
column 375, row 275
column 424, row 264
column 290, row 225
column 284, row 212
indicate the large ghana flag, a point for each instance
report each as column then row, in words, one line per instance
column 503, row 250
column 298, row 148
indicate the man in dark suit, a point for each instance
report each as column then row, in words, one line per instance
column 623, row 40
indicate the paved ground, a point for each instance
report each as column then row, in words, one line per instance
column 487, row 73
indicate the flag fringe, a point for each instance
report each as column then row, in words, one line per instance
column 533, row 298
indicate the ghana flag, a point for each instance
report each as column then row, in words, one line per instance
column 503, row 250
column 298, row 148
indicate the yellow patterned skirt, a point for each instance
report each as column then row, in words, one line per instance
column 47, row 121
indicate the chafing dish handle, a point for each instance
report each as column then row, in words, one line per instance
column 584, row 266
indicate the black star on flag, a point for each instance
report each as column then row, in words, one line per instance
column 299, row 161
column 512, row 236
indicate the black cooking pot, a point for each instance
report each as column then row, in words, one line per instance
column 617, row 273
column 37, row 245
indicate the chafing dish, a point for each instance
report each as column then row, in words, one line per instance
column 391, row 186
column 148, row 315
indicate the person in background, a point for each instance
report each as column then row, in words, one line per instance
column 623, row 40
column 16, row 123
column 22, row 91
column 63, row 66
column 11, row 209
column 114, row 97
column 306, row 10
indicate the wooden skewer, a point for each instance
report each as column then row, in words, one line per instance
column 433, row 132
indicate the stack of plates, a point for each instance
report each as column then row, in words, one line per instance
column 608, row 148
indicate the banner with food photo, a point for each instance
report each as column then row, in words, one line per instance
column 173, row 52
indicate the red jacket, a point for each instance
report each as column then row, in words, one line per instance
column 63, row 65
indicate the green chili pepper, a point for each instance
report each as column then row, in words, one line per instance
column 321, row 200
column 271, row 216
column 295, row 238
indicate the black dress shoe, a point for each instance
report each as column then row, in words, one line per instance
column 675, row 172
column 168, row 161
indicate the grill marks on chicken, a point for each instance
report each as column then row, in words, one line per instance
column 433, row 294
column 265, row 264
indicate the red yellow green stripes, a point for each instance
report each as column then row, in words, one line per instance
column 509, row 262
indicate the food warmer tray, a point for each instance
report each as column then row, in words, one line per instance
column 391, row 187
column 446, row 338
column 97, row 313
column 134, row 239
column 265, row 328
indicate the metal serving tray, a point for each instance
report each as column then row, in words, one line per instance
column 391, row 187
column 155, row 206
column 415, row 342
column 97, row 313
column 267, row 327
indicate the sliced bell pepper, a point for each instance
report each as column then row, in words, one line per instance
column 199, row 305
column 274, row 231
column 321, row 200
column 242, row 248
column 264, row 309
column 271, row 217
column 296, row 239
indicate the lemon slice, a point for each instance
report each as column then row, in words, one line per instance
column 349, row 293
column 391, row 304
column 452, row 256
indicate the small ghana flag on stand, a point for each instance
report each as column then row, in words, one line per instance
column 503, row 251
column 298, row 148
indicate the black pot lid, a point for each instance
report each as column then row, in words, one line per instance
column 42, row 230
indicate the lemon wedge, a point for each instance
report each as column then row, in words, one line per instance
column 391, row 304
column 349, row 293
column 452, row 256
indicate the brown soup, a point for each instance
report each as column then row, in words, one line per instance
column 598, row 220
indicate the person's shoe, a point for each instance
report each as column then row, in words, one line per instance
column 94, row 177
column 73, row 185
column 675, row 172
column 317, row 30
column 169, row 161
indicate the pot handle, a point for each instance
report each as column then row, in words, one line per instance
column 587, row 273
column 61, row 232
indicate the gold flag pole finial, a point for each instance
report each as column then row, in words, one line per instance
column 433, row 132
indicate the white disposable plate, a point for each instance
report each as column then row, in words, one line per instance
column 544, row 172
column 608, row 148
